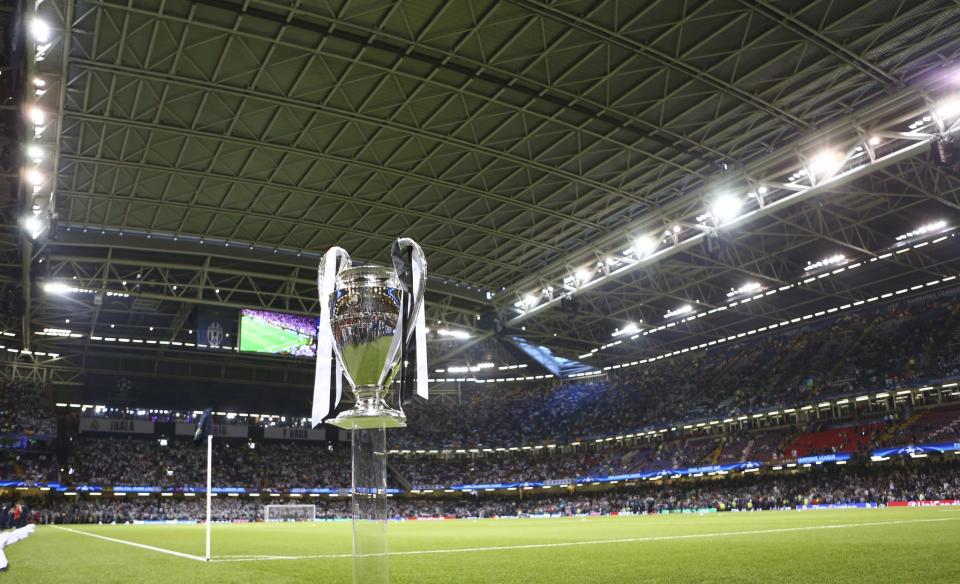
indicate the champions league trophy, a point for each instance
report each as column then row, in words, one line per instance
column 368, row 316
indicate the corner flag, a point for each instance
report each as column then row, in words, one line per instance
column 204, row 427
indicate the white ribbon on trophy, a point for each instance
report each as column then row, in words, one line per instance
column 326, row 282
column 418, row 265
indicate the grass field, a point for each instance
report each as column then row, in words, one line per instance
column 873, row 545
column 261, row 337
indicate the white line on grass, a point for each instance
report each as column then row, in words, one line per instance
column 134, row 544
column 719, row 534
column 589, row 542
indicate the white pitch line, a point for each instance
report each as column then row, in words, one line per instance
column 718, row 534
column 134, row 544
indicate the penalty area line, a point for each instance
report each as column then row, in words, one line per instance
column 654, row 538
column 133, row 544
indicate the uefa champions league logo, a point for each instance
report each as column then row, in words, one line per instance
column 215, row 335
column 124, row 385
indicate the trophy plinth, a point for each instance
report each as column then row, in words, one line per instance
column 370, row 411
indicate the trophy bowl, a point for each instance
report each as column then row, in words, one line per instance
column 365, row 317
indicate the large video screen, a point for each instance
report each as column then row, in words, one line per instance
column 262, row 331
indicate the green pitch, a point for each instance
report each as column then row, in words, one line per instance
column 260, row 337
column 878, row 545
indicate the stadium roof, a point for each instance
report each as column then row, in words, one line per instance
column 560, row 162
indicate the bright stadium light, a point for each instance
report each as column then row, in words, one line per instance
column 679, row 311
column 726, row 207
column 949, row 108
column 644, row 246
column 453, row 334
column 56, row 288
column 40, row 30
column 34, row 177
column 629, row 329
column 935, row 226
column 34, row 225
column 37, row 116
column 826, row 162
column 747, row 288
column 35, row 153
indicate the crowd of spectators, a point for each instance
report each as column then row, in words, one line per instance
column 880, row 347
column 879, row 484
column 128, row 509
column 25, row 408
column 284, row 465
column 876, row 348
column 302, row 325
column 143, row 461
column 30, row 467
column 547, row 465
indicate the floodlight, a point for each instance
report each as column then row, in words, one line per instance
column 582, row 276
column 34, row 177
column 826, row 162
column 40, row 30
column 453, row 333
column 726, row 207
column 874, row 141
column 629, row 329
column 56, row 288
column 37, row 116
column 529, row 301
column 949, row 108
column 34, row 225
column 35, row 153
column 644, row 246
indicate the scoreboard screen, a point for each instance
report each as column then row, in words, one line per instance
column 278, row 333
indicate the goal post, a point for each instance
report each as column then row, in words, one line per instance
column 278, row 513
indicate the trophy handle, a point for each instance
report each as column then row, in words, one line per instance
column 333, row 253
column 418, row 264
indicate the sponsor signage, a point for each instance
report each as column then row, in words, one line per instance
column 934, row 503
column 136, row 489
column 842, row 456
column 116, row 426
column 913, row 450
column 837, row 506
column 740, row 466
column 221, row 430
column 276, row 433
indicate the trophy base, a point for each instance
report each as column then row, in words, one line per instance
column 370, row 411
column 365, row 420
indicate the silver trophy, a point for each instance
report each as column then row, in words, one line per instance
column 368, row 316
column 369, row 311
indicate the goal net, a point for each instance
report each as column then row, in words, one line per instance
column 289, row 512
